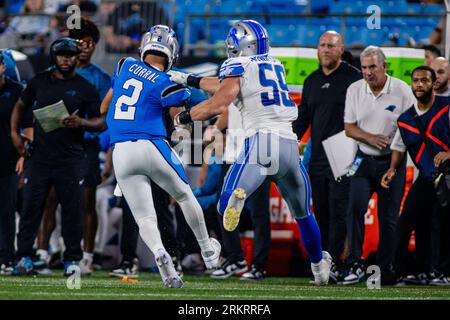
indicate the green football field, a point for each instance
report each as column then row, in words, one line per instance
column 149, row 286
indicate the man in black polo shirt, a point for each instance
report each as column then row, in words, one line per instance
column 10, row 91
column 322, row 107
column 58, row 155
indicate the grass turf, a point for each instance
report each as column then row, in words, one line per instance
column 101, row 286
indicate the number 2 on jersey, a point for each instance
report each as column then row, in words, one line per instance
column 280, row 89
column 128, row 101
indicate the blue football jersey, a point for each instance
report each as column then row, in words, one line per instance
column 140, row 95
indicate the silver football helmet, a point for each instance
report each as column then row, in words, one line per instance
column 247, row 38
column 163, row 39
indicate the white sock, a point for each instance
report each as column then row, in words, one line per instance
column 205, row 245
column 43, row 254
column 148, row 229
column 193, row 214
column 88, row 256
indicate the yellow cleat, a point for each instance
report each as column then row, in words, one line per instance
column 233, row 211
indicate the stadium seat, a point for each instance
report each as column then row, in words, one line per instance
column 308, row 35
column 237, row 7
column 393, row 7
column 433, row 9
column 327, row 23
column 422, row 34
column 348, row 7
column 415, row 8
column 377, row 37
column 282, row 35
column 219, row 29
column 286, row 6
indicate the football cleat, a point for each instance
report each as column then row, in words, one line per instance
column 233, row 211
column 169, row 275
column 212, row 258
column 321, row 270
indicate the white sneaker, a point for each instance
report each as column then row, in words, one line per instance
column 169, row 275
column 321, row 271
column 212, row 258
column 86, row 267
column 233, row 211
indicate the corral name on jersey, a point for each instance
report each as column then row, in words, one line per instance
column 140, row 95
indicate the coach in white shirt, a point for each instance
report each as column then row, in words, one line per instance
column 372, row 107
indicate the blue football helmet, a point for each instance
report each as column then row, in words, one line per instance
column 163, row 39
column 247, row 38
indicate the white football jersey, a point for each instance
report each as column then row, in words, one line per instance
column 264, row 101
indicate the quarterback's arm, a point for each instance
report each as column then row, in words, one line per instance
column 106, row 102
column 217, row 104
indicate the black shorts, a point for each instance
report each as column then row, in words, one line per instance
column 92, row 176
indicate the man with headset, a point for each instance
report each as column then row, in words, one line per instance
column 58, row 154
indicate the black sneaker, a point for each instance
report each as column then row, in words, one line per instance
column 128, row 269
column 177, row 265
column 440, row 280
column 417, row 279
column 97, row 262
column 337, row 274
column 229, row 268
column 356, row 274
column 56, row 261
column 254, row 274
column 388, row 278
column 7, row 268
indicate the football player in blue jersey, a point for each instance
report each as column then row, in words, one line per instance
column 256, row 83
column 141, row 92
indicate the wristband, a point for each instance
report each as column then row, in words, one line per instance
column 184, row 117
column 193, row 81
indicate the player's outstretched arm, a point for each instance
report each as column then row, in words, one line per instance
column 217, row 104
column 209, row 84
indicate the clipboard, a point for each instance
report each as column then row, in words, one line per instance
column 340, row 151
column 51, row 116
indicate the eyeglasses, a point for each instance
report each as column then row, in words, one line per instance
column 83, row 44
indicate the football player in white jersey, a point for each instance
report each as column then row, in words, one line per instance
column 256, row 83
